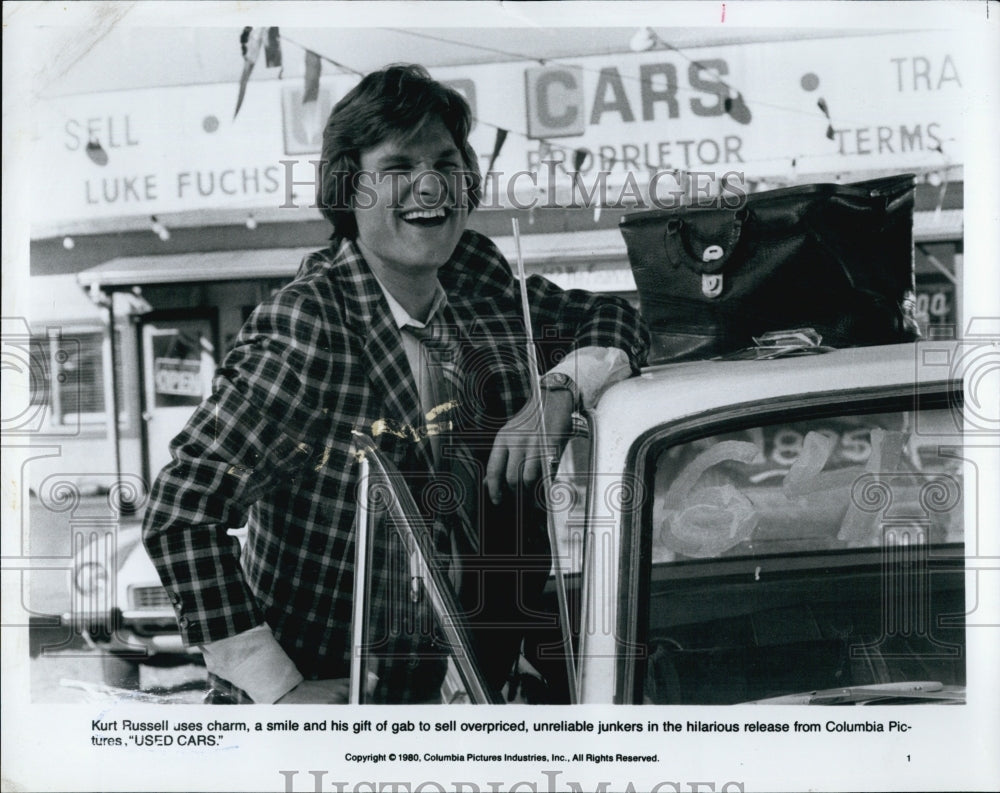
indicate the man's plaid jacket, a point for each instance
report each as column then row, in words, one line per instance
column 272, row 447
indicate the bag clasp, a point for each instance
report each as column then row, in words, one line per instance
column 711, row 285
column 712, row 253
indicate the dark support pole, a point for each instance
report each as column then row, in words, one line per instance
column 115, row 407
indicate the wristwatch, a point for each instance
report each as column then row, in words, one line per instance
column 560, row 381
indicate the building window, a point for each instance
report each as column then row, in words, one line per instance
column 67, row 374
column 938, row 278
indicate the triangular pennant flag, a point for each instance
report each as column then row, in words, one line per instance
column 272, row 49
column 579, row 155
column 313, row 68
column 497, row 146
column 738, row 110
column 96, row 152
column 250, row 43
column 821, row 104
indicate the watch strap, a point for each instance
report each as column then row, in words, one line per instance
column 559, row 381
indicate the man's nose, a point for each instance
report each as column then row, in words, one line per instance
column 430, row 184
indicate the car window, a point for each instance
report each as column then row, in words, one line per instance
column 802, row 554
column 809, row 485
column 410, row 642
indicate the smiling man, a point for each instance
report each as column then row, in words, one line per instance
column 344, row 348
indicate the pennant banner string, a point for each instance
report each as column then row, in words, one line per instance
column 739, row 99
column 477, row 47
column 324, row 57
column 736, row 105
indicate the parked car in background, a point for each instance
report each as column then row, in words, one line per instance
column 121, row 608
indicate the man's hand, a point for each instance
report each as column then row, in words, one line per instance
column 518, row 454
column 334, row 692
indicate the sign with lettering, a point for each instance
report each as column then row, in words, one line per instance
column 554, row 99
column 890, row 101
column 178, row 377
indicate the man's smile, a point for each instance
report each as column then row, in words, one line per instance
column 426, row 217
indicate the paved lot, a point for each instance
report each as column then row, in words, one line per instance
column 74, row 676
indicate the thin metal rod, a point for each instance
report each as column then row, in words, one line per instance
column 360, row 615
column 547, row 466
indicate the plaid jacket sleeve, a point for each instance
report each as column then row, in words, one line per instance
column 590, row 320
column 562, row 319
column 257, row 430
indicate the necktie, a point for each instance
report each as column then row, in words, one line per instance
column 457, row 483
column 436, row 378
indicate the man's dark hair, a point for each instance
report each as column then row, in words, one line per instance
column 385, row 104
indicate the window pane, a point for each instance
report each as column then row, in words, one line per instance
column 405, row 657
column 803, row 486
column 819, row 554
column 80, row 376
column 416, row 646
column 182, row 367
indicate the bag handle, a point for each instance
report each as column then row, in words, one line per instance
column 713, row 256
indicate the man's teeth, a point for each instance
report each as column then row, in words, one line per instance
column 423, row 214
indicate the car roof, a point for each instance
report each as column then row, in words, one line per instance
column 672, row 391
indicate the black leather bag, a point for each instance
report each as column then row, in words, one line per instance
column 834, row 257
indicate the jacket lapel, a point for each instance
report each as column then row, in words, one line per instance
column 384, row 361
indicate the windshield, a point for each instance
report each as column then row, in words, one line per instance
column 817, row 552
